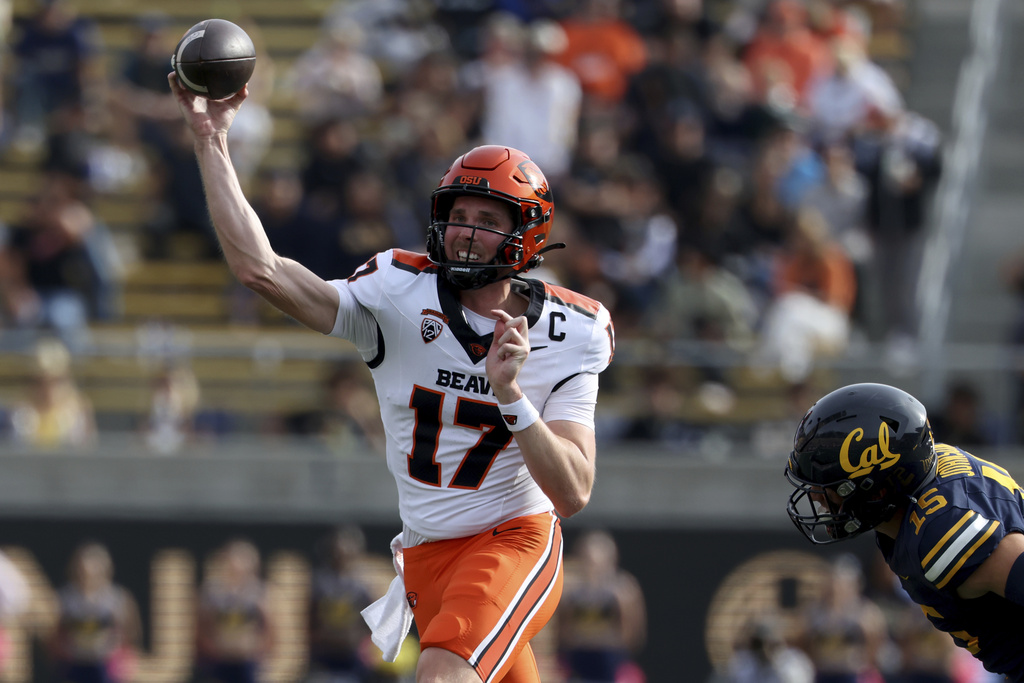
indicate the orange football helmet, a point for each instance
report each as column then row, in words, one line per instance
column 507, row 175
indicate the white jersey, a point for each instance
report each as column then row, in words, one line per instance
column 458, row 468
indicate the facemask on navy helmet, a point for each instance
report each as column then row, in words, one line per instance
column 860, row 454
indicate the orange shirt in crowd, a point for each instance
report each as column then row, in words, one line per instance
column 829, row 276
column 603, row 54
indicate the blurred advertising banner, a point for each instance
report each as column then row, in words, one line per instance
column 701, row 587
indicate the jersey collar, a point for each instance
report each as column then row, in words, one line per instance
column 476, row 345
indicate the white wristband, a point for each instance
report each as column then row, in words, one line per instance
column 519, row 415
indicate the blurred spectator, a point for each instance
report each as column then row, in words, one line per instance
column 179, row 226
column 642, row 250
column 465, row 24
column 15, row 595
column 424, row 159
column 604, row 51
column 6, row 14
column 467, row 21
column 234, row 632
column 844, row 632
column 684, row 166
column 341, row 590
column 170, row 423
column 841, row 199
column 14, row 589
column 763, row 656
column 99, row 631
column 399, row 33
column 758, row 230
column 372, row 219
column 55, row 413
column 334, row 152
column 339, row 231
column 702, row 300
column 74, row 135
column 772, row 437
column 278, row 200
column 546, row 130
column 501, row 40
column 841, row 103
column 602, row 617
column 335, row 78
column 798, row 167
column 58, row 276
column 252, row 132
column 349, row 419
column 784, row 56
column 437, row 94
column 737, row 119
column 57, row 65
column 961, row 419
column 591, row 191
column 673, row 73
column 119, row 160
column 139, row 92
column 900, row 156
column 815, row 287
column 926, row 655
column 829, row 19
column 655, row 411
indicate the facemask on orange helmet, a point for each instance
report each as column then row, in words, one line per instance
column 506, row 175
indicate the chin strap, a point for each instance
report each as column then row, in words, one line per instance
column 538, row 258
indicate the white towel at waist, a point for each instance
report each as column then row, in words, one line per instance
column 390, row 617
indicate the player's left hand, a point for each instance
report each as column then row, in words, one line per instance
column 508, row 352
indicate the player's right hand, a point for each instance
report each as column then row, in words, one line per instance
column 206, row 118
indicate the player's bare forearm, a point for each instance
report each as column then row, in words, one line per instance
column 285, row 284
column 560, row 457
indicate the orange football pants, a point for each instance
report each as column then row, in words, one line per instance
column 484, row 597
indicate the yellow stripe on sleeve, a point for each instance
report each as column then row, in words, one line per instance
column 960, row 563
column 942, row 542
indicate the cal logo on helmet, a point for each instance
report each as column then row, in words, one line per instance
column 874, row 455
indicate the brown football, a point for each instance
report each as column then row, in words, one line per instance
column 214, row 59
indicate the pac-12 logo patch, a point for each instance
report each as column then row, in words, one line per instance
column 430, row 330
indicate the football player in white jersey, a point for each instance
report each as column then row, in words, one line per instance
column 487, row 383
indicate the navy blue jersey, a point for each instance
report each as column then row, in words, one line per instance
column 956, row 524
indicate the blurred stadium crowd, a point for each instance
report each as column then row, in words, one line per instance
column 739, row 181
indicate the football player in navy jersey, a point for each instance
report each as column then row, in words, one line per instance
column 949, row 524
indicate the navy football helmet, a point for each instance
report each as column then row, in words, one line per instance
column 860, row 454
